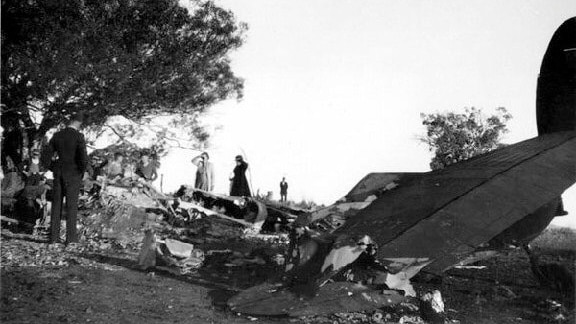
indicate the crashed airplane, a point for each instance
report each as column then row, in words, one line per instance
column 400, row 224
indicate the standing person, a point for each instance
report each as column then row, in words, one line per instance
column 201, row 176
column 283, row 190
column 66, row 157
column 146, row 169
column 239, row 186
column 204, row 172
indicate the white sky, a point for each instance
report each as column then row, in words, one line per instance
column 334, row 88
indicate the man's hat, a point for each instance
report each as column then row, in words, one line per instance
column 239, row 158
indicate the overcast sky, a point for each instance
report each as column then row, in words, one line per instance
column 334, row 88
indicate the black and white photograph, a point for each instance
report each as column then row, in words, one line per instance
column 288, row 161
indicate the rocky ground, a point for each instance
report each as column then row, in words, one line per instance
column 101, row 283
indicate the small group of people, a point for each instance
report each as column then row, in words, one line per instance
column 239, row 185
column 66, row 156
column 116, row 169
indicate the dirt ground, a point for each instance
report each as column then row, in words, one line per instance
column 84, row 286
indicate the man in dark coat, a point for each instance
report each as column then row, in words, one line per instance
column 283, row 190
column 66, row 157
column 239, row 186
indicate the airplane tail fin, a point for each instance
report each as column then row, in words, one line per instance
column 556, row 92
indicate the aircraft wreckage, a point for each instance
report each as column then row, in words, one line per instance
column 391, row 226
column 360, row 253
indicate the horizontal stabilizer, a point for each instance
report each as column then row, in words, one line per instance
column 444, row 215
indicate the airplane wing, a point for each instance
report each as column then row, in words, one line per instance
column 445, row 215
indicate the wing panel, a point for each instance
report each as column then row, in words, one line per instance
column 441, row 214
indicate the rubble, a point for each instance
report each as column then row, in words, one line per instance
column 26, row 251
column 185, row 238
column 432, row 307
column 179, row 249
column 235, row 241
column 168, row 254
column 255, row 215
column 184, row 234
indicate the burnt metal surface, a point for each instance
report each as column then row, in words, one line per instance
column 444, row 215
column 264, row 215
column 376, row 184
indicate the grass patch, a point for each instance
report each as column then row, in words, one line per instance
column 557, row 238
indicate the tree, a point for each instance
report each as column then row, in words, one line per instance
column 156, row 135
column 133, row 58
column 454, row 137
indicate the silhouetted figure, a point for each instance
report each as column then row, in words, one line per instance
column 283, row 190
column 239, row 186
column 66, row 157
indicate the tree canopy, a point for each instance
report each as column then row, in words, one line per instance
column 132, row 58
column 454, row 137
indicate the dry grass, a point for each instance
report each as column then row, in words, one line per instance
column 557, row 239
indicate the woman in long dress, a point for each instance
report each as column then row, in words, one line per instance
column 239, row 186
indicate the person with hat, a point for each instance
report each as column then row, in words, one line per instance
column 239, row 186
column 66, row 157
column 204, row 172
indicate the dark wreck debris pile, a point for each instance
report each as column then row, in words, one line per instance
column 169, row 253
column 241, row 243
column 279, row 261
column 175, row 232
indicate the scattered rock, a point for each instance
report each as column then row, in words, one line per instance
column 179, row 249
